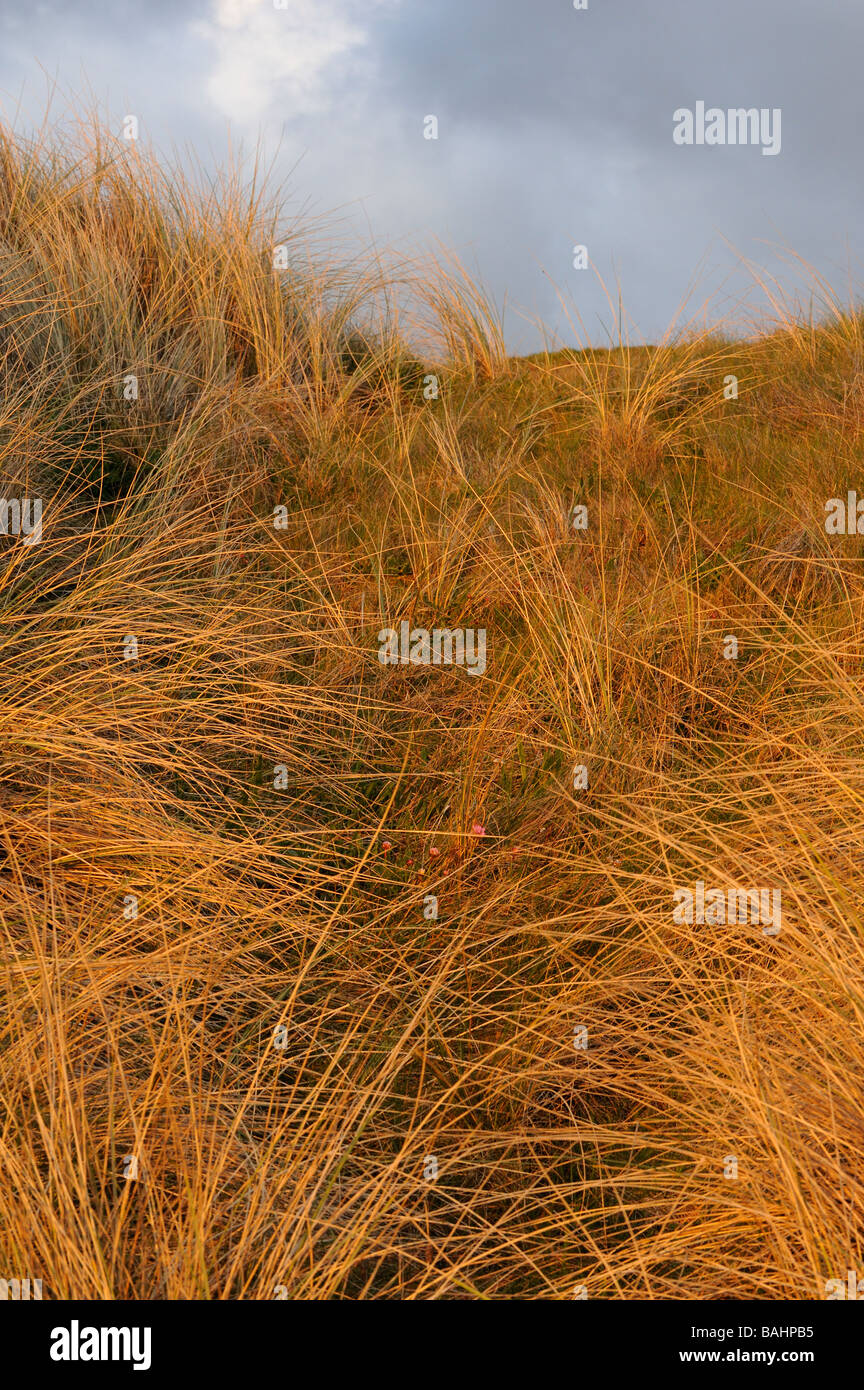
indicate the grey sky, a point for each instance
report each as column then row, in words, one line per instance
column 555, row 128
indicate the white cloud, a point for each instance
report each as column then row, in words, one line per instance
column 266, row 56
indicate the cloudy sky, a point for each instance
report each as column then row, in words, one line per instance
column 555, row 129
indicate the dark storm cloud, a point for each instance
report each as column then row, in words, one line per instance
column 555, row 126
column 578, row 107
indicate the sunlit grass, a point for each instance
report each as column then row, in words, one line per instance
column 165, row 908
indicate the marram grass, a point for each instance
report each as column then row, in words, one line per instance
column 325, row 978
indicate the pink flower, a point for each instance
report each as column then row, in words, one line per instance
column 478, row 829
column 385, row 844
column 433, row 852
